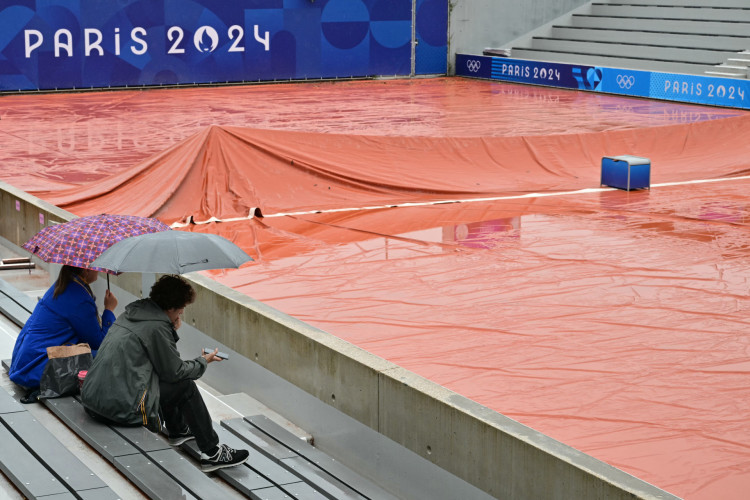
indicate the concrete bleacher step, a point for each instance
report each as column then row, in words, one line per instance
column 243, row 404
column 687, row 40
column 717, row 4
column 633, row 48
column 306, row 461
column 14, row 304
column 320, row 459
column 725, row 74
column 38, row 464
column 704, row 12
column 281, row 465
column 145, row 459
column 662, row 25
column 259, row 477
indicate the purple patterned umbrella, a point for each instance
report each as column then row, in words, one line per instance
column 79, row 242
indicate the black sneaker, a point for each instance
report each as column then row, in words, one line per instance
column 225, row 457
column 178, row 438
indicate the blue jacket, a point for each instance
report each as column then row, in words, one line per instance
column 71, row 318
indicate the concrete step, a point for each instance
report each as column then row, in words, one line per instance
column 695, row 41
column 661, row 25
column 716, row 4
column 229, row 406
column 633, row 49
column 80, row 449
column 705, row 12
column 725, row 74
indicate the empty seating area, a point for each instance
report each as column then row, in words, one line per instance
column 14, row 304
column 687, row 36
column 37, row 463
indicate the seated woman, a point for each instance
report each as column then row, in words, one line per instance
column 66, row 314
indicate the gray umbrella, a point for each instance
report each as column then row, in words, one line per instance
column 171, row 252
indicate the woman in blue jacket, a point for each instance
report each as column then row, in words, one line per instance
column 66, row 314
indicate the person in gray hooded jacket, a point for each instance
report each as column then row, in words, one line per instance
column 139, row 378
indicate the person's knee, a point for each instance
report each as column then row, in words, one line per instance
column 178, row 392
column 191, row 391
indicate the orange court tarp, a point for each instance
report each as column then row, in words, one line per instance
column 613, row 321
column 56, row 141
column 224, row 173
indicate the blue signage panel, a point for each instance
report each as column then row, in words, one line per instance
column 63, row 44
column 431, row 33
column 728, row 92
column 625, row 81
column 534, row 72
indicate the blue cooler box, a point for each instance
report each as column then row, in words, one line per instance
column 626, row 172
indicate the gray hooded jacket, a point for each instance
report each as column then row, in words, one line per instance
column 138, row 352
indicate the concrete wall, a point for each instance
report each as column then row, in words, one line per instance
column 478, row 24
column 495, row 454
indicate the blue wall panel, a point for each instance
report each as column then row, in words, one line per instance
column 432, row 36
column 59, row 44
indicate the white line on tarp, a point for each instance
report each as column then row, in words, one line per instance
column 441, row 202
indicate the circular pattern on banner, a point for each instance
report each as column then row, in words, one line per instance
column 345, row 23
column 430, row 31
column 391, row 25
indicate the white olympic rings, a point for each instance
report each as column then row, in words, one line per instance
column 625, row 81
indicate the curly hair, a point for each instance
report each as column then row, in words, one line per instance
column 172, row 292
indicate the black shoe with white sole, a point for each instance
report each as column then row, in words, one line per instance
column 225, row 457
column 179, row 438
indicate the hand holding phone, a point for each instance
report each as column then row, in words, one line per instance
column 221, row 355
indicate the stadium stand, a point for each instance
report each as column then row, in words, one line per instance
column 688, row 36
column 37, row 463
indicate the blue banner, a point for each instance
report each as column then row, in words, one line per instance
column 727, row 92
column 66, row 44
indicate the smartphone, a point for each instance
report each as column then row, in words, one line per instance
column 221, row 355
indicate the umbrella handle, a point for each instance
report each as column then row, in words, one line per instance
column 107, row 280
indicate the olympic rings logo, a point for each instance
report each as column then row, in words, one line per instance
column 473, row 65
column 625, row 81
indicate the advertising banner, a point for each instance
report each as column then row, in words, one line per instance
column 71, row 44
column 697, row 89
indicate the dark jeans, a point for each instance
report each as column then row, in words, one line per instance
column 182, row 404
